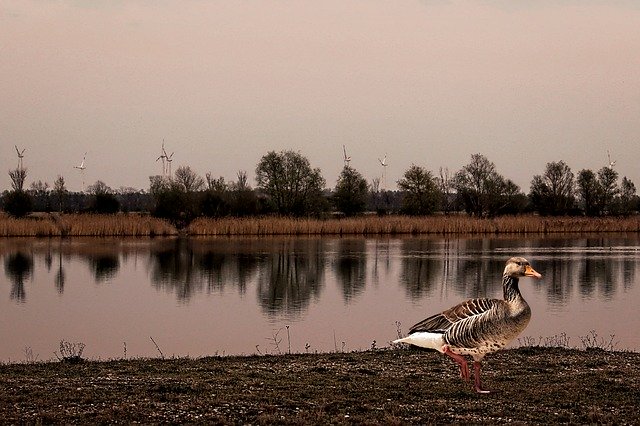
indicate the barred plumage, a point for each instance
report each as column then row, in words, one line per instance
column 478, row 326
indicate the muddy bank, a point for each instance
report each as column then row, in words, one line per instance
column 402, row 386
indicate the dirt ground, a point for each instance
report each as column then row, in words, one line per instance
column 534, row 385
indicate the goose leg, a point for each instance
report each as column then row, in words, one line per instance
column 459, row 359
column 478, row 385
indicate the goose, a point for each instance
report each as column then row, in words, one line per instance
column 477, row 327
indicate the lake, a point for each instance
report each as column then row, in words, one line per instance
column 226, row 296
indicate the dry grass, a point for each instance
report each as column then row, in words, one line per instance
column 47, row 225
column 442, row 225
column 77, row 225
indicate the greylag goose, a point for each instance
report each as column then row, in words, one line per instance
column 477, row 327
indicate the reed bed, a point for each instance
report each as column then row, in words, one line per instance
column 10, row 227
column 442, row 225
column 124, row 225
column 86, row 225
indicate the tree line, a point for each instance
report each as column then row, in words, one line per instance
column 287, row 184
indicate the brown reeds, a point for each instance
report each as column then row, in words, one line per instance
column 390, row 225
column 122, row 225
column 89, row 225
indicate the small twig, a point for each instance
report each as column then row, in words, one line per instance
column 289, row 340
column 157, row 347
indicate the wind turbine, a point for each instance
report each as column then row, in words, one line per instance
column 169, row 159
column 346, row 158
column 611, row 163
column 81, row 167
column 20, row 156
column 384, row 165
column 163, row 157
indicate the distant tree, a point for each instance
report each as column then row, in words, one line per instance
column 39, row 192
column 351, row 192
column 608, row 179
column 60, row 192
column 244, row 201
column 103, row 199
column 507, row 198
column 188, row 180
column 17, row 202
column 421, row 195
column 628, row 200
column 553, row 193
column 589, row 192
column 482, row 190
column 172, row 202
column 18, row 176
column 445, row 185
column 291, row 185
column 215, row 201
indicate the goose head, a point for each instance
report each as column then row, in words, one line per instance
column 519, row 267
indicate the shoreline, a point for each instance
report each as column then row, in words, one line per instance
column 136, row 225
column 391, row 386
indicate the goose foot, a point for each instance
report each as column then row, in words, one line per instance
column 459, row 359
column 478, row 384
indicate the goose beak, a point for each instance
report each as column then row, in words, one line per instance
column 530, row 272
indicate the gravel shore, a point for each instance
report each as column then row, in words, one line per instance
column 534, row 385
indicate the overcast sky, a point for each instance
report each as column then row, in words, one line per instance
column 223, row 82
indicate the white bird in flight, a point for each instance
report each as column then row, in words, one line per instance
column 82, row 166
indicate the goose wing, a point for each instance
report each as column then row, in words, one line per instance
column 441, row 322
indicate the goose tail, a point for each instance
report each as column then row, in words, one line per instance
column 424, row 339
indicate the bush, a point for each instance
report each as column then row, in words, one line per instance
column 17, row 203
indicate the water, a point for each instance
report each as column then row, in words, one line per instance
column 197, row 297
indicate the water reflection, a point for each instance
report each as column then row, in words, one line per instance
column 351, row 267
column 18, row 267
column 289, row 273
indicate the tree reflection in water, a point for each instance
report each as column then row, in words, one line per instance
column 18, row 267
column 288, row 273
column 291, row 274
column 351, row 267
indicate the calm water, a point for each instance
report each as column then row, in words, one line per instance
column 201, row 297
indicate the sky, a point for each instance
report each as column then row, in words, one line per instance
column 223, row 82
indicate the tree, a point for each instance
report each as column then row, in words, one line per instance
column 172, row 202
column 482, row 189
column 60, row 192
column 18, row 177
column 553, row 193
column 188, row 180
column 351, row 192
column 104, row 201
column 445, row 185
column 17, row 202
column 215, row 199
column 608, row 179
column 293, row 187
column 39, row 192
column 589, row 192
column 628, row 198
column 244, row 201
column 421, row 195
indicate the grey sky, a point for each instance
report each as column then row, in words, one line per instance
column 223, row 82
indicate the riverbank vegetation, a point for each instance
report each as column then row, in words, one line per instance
column 288, row 186
column 535, row 385
column 121, row 225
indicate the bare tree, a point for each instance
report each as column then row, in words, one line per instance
column 553, row 192
column 188, row 180
column 18, row 176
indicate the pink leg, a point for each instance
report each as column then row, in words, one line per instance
column 478, row 385
column 459, row 359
